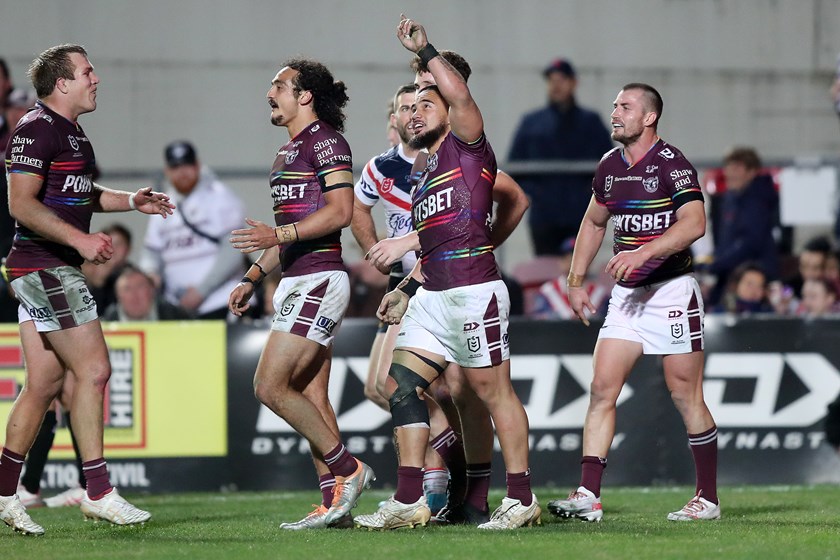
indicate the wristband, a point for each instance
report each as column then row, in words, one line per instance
column 286, row 234
column 246, row 280
column 131, row 203
column 574, row 280
column 262, row 272
column 427, row 53
column 410, row 287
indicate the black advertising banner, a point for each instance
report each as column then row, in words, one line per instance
column 768, row 383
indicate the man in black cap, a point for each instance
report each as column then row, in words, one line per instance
column 562, row 130
column 190, row 255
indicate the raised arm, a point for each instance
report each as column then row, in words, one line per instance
column 464, row 116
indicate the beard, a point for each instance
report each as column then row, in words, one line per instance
column 403, row 133
column 428, row 138
column 277, row 121
column 624, row 138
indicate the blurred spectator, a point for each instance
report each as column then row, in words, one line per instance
column 137, row 300
column 102, row 278
column 812, row 263
column 746, row 293
column 17, row 103
column 562, row 130
column 549, row 299
column 748, row 215
column 819, row 298
column 188, row 253
column 6, row 88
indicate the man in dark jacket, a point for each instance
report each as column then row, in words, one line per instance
column 562, row 130
column 749, row 213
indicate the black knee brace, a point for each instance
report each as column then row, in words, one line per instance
column 406, row 406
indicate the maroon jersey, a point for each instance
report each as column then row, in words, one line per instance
column 297, row 188
column 49, row 146
column 643, row 200
column 452, row 207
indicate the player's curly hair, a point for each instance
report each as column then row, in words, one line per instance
column 52, row 64
column 457, row 61
column 330, row 96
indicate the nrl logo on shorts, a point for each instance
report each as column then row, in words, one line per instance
column 677, row 330
column 290, row 157
column 432, row 164
column 651, row 184
column 387, row 184
column 289, row 304
column 608, row 183
column 473, row 343
column 73, row 143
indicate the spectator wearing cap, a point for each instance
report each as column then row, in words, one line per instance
column 188, row 253
column 562, row 130
column 16, row 103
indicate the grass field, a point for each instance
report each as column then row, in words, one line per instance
column 758, row 522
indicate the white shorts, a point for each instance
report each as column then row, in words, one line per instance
column 312, row 305
column 665, row 318
column 466, row 325
column 55, row 299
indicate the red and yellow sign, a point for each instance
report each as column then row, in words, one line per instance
column 167, row 396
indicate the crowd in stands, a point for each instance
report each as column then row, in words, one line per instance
column 185, row 267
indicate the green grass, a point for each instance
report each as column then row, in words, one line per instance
column 758, row 522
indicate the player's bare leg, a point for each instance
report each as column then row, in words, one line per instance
column 435, row 473
column 376, row 355
column 612, row 362
column 493, row 386
column 412, row 370
column 285, row 358
column 684, row 378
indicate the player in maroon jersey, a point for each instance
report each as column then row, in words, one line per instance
column 651, row 193
column 461, row 312
column 52, row 196
column 312, row 191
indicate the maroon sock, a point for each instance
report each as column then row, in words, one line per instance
column 340, row 462
column 478, row 485
column 519, row 487
column 591, row 471
column 409, row 484
column 704, row 447
column 327, row 483
column 11, row 464
column 448, row 445
column 96, row 475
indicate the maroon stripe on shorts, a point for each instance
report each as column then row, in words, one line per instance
column 493, row 331
column 695, row 324
column 58, row 299
column 309, row 309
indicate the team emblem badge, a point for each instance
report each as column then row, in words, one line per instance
column 651, row 184
column 677, row 330
column 290, row 157
column 387, row 184
column 73, row 143
column 473, row 343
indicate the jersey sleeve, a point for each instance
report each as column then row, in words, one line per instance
column 366, row 189
column 598, row 186
column 475, row 149
column 32, row 148
column 330, row 154
column 681, row 182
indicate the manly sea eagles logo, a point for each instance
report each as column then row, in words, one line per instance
column 432, row 164
column 290, row 157
column 73, row 143
column 651, row 184
column 473, row 343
